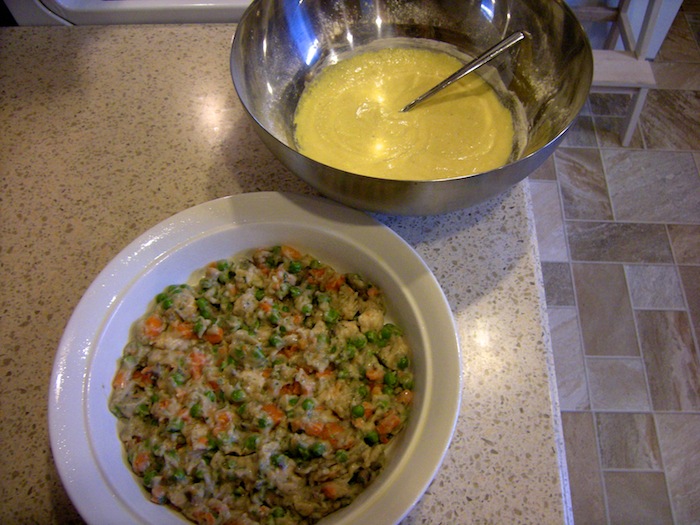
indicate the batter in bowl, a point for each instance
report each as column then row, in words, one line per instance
column 349, row 117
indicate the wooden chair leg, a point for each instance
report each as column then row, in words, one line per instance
column 630, row 123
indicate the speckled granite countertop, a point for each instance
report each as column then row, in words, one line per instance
column 107, row 131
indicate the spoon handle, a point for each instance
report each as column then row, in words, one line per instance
column 482, row 59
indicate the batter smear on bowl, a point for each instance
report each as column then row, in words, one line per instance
column 349, row 118
column 266, row 393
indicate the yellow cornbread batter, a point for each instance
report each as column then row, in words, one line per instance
column 349, row 117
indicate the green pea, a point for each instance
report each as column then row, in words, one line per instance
column 175, row 425
column 237, row 395
column 166, row 303
column 205, row 308
column 258, row 353
column 196, row 410
column 129, row 360
column 148, row 477
column 372, row 438
column 278, row 460
column 294, row 267
column 277, row 512
column 307, row 404
column 390, row 379
column 303, row 452
column 358, row 342
column 179, row 474
column 259, row 294
column 331, row 316
column 317, row 449
column 251, row 442
column 358, row 411
column 403, row 363
column 388, row 330
column 178, row 378
column 407, row 383
column 341, row 456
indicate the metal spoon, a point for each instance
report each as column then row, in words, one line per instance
column 482, row 59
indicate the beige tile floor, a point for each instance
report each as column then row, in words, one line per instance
column 619, row 236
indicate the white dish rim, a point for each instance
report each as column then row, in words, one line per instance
column 75, row 414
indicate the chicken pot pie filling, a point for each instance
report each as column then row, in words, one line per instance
column 266, row 393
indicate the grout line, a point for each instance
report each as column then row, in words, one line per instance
column 635, row 470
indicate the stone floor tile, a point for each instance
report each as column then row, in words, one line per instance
column 680, row 44
column 690, row 277
column 608, row 131
column 605, row 312
column 610, row 104
column 569, row 361
column 546, row 171
column 674, row 75
column 637, row 498
column 670, row 120
column 581, row 134
column 587, row 499
column 582, row 182
column 617, row 384
column 618, row 242
column 549, row 224
column 558, row 286
column 671, row 358
column 685, row 241
column 679, row 437
column 653, row 186
column 628, row 441
column 655, row 287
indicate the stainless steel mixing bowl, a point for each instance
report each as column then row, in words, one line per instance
column 280, row 45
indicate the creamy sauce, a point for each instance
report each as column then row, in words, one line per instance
column 269, row 392
column 349, row 117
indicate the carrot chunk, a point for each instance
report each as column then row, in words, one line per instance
column 153, row 326
column 290, row 252
column 214, row 335
column 275, row 413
